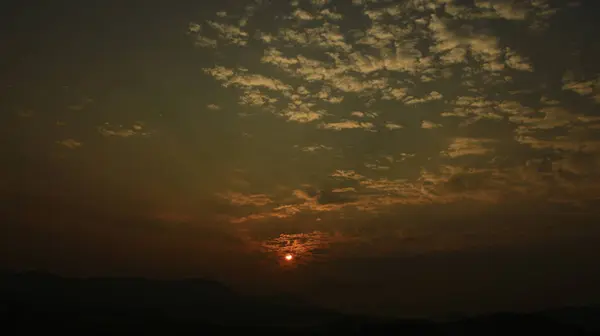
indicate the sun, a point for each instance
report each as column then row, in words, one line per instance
column 289, row 257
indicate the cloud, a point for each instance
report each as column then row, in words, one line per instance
column 562, row 143
column 70, row 143
column 392, row 126
column 474, row 108
column 205, row 42
column 343, row 190
column 305, row 247
column 581, row 88
column 230, row 33
column 85, row 102
column 255, row 97
column 315, row 148
column 536, row 12
column 254, row 80
column 554, row 116
column 302, row 113
column 347, row 124
column 109, row 130
column 517, row 62
column 318, row 70
column 237, row 198
column 469, row 146
column 503, row 9
column 586, row 88
column 580, row 163
column 302, row 15
column 394, row 93
column 434, row 95
column 194, row 27
column 373, row 195
column 347, row 174
column 429, row 125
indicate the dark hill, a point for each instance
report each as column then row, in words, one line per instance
column 41, row 302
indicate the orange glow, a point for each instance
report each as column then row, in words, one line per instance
column 289, row 257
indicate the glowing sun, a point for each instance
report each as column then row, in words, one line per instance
column 289, row 257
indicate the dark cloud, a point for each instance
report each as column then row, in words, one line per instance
column 335, row 196
column 462, row 182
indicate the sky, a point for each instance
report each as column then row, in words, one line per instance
column 414, row 157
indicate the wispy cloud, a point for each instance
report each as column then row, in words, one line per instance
column 70, row 143
column 469, row 146
column 237, row 198
column 109, row 130
column 429, row 124
column 347, row 124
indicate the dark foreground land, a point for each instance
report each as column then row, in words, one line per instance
column 35, row 302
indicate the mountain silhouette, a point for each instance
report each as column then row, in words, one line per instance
column 37, row 301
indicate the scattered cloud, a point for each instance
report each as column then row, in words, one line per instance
column 315, row 148
column 85, row 102
column 587, row 88
column 109, row 130
column 431, row 96
column 382, row 76
column 305, row 247
column 469, row 146
column 347, row 124
column 237, row 198
column 70, row 143
column 429, row 125
column 392, row 126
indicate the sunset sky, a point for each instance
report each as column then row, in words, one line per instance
column 413, row 157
